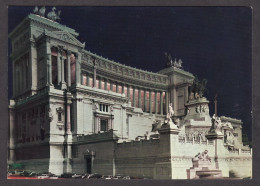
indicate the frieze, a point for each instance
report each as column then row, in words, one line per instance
column 123, row 69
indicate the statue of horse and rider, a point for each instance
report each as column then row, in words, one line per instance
column 197, row 89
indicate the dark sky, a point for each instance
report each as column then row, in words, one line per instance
column 213, row 43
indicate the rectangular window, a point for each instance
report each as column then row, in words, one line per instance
column 103, row 107
column 103, row 125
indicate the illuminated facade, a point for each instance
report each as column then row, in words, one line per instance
column 75, row 111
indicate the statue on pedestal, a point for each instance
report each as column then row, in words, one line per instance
column 197, row 89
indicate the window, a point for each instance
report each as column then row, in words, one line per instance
column 103, row 107
column 103, row 125
column 59, row 116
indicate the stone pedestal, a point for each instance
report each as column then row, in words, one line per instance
column 203, row 169
column 168, row 139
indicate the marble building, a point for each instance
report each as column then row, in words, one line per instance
column 75, row 111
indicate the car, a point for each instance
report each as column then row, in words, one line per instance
column 76, row 176
column 126, row 178
column 107, row 177
column 43, row 176
column 67, row 175
column 95, row 176
column 116, row 177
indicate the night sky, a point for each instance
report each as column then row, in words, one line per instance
column 213, row 42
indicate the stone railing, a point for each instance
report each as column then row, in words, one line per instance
column 138, row 143
column 195, row 141
column 109, row 135
column 121, row 69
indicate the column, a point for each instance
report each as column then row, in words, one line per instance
column 59, row 65
column 78, row 68
column 161, row 102
column 87, row 74
column 123, row 88
column 95, row 73
column 68, row 69
column 116, row 87
column 68, row 119
column 155, row 99
column 49, row 69
column 139, row 98
column 105, row 86
column 128, row 92
column 150, row 101
column 12, row 134
column 24, row 75
column 99, row 83
column 166, row 102
column 49, row 64
column 134, row 96
column 145, row 108
column 14, row 78
column 63, row 85
column 111, row 85
column 174, row 101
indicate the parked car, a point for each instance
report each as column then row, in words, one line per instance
column 95, row 176
column 85, row 176
column 67, row 175
column 126, row 178
column 43, row 176
column 53, row 176
column 116, row 177
column 76, row 176
column 107, row 177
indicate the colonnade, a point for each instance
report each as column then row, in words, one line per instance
column 151, row 101
column 20, row 75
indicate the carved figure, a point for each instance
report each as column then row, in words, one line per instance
column 170, row 113
column 169, row 61
column 35, row 10
column 111, row 108
column 50, row 116
column 197, row 89
column 202, row 156
column 42, row 11
column 53, row 15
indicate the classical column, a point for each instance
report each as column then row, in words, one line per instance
column 134, row 97
column 78, row 68
column 167, row 102
column 68, row 68
column 161, row 102
column 150, row 101
column 63, row 84
column 111, row 85
column 123, row 88
column 145, row 106
column 116, row 87
column 139, row 98
column 48, row 63
column 59, row 65
column 95, row 73
column 128, row 92
column 87, row 74
column 24, row 74
column 12, row 133
column 105, row 84
column 68, row 119
column 156, row 104
column 49, row 69
column 14, row 78
column 100, row 83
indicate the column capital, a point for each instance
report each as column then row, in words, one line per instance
column 60, row 49
column 68, row 52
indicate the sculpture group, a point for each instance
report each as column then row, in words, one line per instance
column 51, row 15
